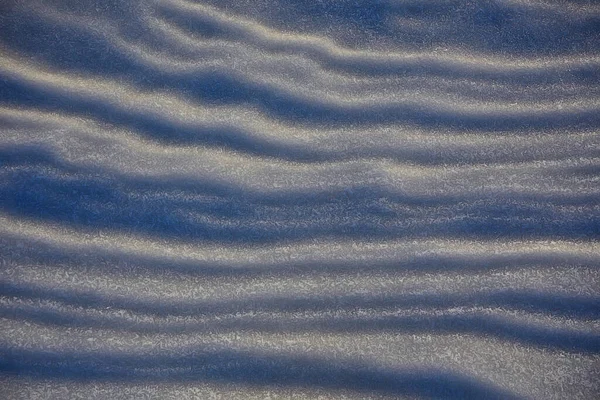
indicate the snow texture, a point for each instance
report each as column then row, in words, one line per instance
column 299, row 199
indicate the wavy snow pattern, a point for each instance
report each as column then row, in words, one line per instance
column 299, row 199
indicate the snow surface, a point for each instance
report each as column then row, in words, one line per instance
column 299, row 199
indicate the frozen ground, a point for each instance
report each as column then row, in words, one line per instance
column 299, row 199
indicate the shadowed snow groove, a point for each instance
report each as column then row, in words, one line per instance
column 299, row 199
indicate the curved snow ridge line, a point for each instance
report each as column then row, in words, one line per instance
column 201, row 209
column 531, row 330
column 321, row 347
column 134, row 155
column 400, row 184
column 306, row 146
column 240, row 27
column 274, row 182
column 251, row 366
column 569, row 8
column 310, row 76
column 307, row 79
column 537, row 284
column 324, row 342
column 115, row 273
column 175, row 120
column 185, row 216
column 558, row 306
column 164, row 106
column 91, row 309
column 461, row 320
column 364, row 68
column 302, row 252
